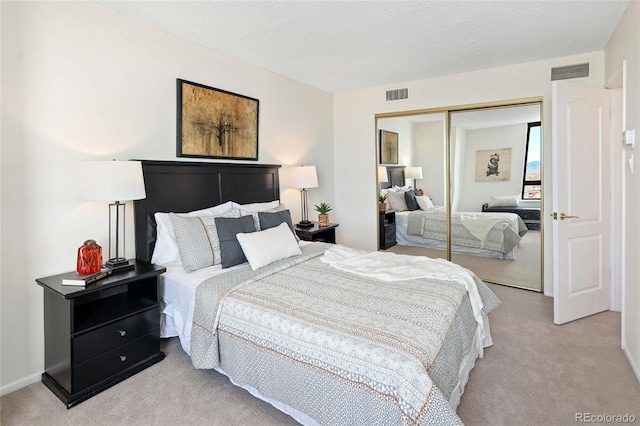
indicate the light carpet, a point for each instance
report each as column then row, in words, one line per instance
column 536, row 373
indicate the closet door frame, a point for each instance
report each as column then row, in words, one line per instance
column 448, row 110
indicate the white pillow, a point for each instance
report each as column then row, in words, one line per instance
column 504, row 201
column 257, row 207
column 254, row 213
column 424, row 202
column 166, row 249
column 396, row 201
column 402, row 188
column 265, row 247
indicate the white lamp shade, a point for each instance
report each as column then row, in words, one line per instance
column 303, row 177
column 114, row 181
column 382, row 174
column 413, row 172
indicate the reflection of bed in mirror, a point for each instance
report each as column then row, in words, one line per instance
column 494, row 235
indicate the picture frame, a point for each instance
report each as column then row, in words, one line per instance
column 388, row 147
column 493, row 165
column 215, row 123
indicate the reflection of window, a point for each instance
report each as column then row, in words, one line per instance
column 531, row 181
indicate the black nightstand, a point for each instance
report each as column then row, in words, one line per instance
column 98, row 335
column 387, row 229
column 325, row 234
column 530, row 216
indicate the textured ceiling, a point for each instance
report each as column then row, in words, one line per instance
column 343, row 45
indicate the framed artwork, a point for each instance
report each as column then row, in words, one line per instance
column 493, row 165
column 214, row 123
column 388, row 147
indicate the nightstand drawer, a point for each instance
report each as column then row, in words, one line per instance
column 390, row 232
column 112, row 362
column 96, row 342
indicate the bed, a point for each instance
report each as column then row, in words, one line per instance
column 486, row 234
column 331, row 335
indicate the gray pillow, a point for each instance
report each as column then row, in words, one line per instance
column 231, row 253
column 193, row 242
column 410, row 199
column 197, row 239
column 271, row 220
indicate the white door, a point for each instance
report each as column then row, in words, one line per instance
column 580, row 161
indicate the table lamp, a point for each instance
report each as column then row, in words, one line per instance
column 413, row 173
column 303, row 178
column 115, row 181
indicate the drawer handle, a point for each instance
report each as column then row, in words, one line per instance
column 123, row 358
column 122, row 332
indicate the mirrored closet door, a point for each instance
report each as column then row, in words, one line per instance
column 496, row 187
column 476, row 177
column 421, row 164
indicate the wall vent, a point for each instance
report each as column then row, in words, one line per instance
column 571, row 71
column 397, row 94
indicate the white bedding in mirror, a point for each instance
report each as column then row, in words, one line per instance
column 403, row 238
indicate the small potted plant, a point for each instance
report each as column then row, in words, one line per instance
column 323, row 210
column 382, row 203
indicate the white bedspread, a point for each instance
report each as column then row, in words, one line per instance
column 389, row 266
column 479, row 225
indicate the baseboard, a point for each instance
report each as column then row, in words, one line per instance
column 634, row 367
column 19, row 384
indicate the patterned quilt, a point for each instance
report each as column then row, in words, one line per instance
column 432, row 223
column 361, row 346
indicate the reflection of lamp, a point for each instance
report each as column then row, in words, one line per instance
column 382, row 175
column 302, row 178
column 413, row 173
column 115, row 181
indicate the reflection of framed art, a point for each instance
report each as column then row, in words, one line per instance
column 388, row 147
column 493, row 165
column 214, row 123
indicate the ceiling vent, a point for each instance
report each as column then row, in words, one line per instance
column 397, row 94
column 571, row 71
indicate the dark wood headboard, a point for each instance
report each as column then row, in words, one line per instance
column 184, row 186
column 395, row 176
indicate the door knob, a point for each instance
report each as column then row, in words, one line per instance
column 562, row 216
column 565, row 216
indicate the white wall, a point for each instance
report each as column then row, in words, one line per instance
column 474, row 194
column 83, row 82
column 624, row 45
column 429, row 143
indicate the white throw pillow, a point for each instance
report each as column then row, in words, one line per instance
column 265, row 247
column 504, row 201
column 166, row 249
column 396, row 201
column 424, row 202
column 258, row 207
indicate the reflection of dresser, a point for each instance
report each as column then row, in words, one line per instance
column 530, row 215
column 387, row 231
